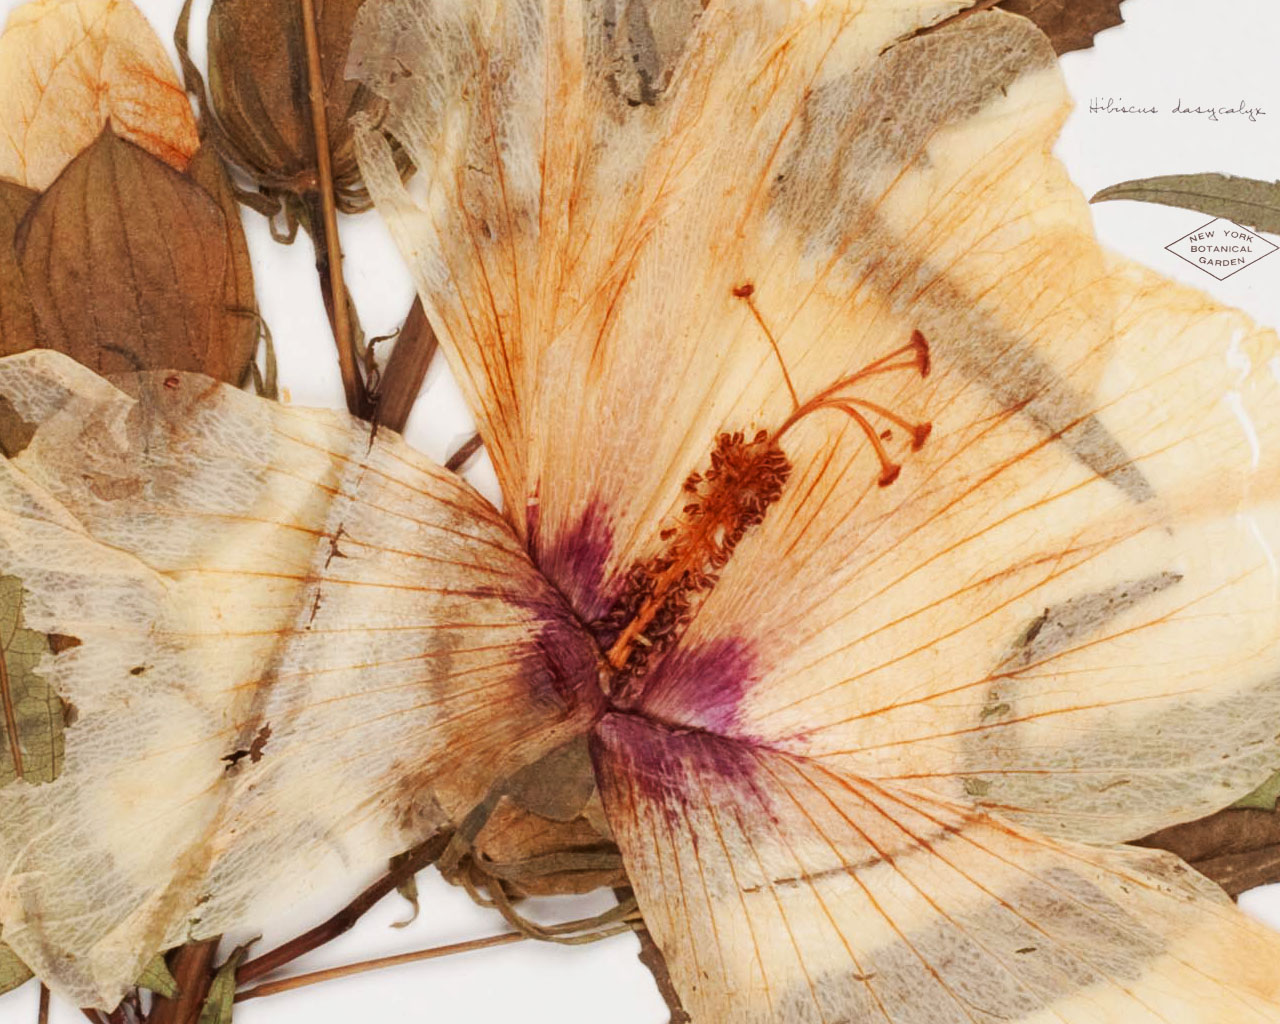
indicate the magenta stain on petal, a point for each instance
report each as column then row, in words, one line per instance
column 566, row 672
column 700, row 686
column 574, row 559
column 638, row 761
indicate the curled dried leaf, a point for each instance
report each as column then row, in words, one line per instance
column 67, row 67
column 131, row 265
column 222, row 993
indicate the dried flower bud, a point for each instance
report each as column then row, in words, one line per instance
column 260, row 114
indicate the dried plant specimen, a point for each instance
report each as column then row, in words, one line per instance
column 129, row 264
column 127, row 253
column 878, row 554
column 67, row 67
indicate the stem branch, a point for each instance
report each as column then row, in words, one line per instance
column 346, row 918
column 325, row 231
column 271, row 988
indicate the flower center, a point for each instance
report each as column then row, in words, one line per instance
column 744, row 478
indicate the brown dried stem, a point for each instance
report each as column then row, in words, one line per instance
column 346, row 918
column 42, row 1016
column 192, row 968
column 302, row 980
column 463, row 453
column 325, row 227
column 415, row 348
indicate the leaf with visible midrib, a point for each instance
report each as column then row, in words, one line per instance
column 126, row 262
column 1248, row 202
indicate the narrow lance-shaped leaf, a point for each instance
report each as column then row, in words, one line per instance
column 1249, row 202
column 67, row 67
column 127, row 265
column 222, row 993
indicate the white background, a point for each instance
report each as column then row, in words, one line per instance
column 1204, row 52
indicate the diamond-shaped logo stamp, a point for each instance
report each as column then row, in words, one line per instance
column 1222, row 248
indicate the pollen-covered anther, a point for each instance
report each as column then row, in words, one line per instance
column 728, row 497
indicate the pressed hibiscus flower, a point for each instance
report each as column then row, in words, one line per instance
column 878, row 554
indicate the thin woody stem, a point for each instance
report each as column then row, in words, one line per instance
column 192, row 967
column 326, row 232
column 406, row 370
column 302, row 980
column 346, row 918
column 42, row 1016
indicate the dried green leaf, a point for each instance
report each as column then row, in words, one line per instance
column 31, row 741
column 1264, row 798
column 158, row 979
column 258, row 90
column 13, row 972
column 222, row 992
column 1248, row 202
column 1069, row 24
column 126, row 262
column 17, row 319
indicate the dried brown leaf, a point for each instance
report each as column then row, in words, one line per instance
column 207, row 171
column 67, row 67
column 127, row 265
column 407, row 368
column 17, row 319
column 1239, row 849
column 1069, row 24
